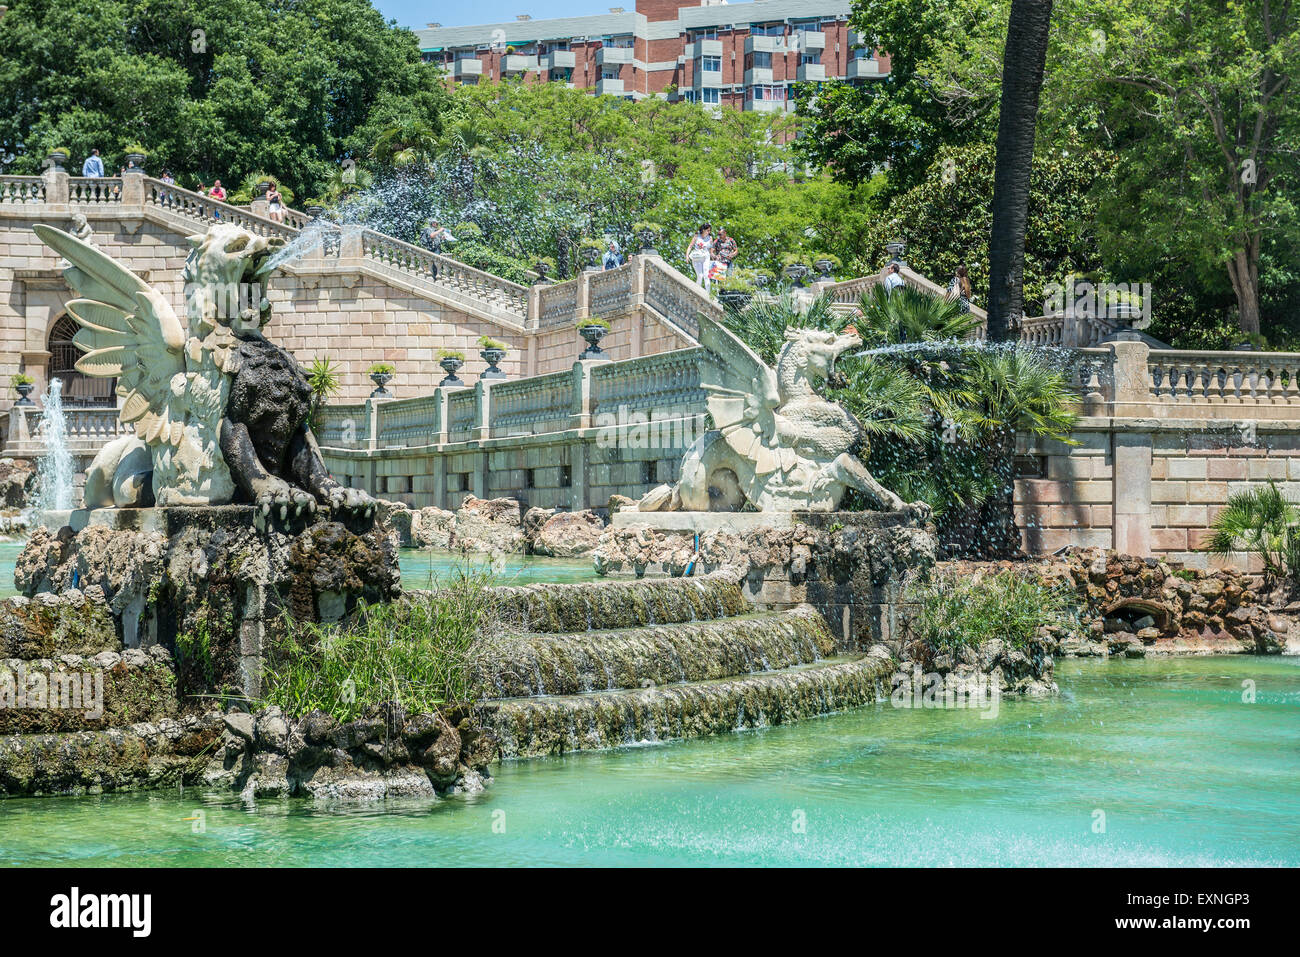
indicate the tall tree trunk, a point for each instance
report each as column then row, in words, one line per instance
column 1243, row 270
column 1023, row 62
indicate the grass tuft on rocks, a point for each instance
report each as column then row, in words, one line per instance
column 955, row 611
column 417, row 652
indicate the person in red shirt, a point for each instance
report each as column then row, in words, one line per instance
column 218, row 193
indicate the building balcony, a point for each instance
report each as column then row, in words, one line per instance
column 518, row 63
column 766, row 106
column 613, row 87
column 613, row 56
column 811, row 72
column 467, row 68
column 811, row 40
column 863, row 69
column 704, row 48
column 559, row 60
column 758, row 75
column 755, row 44
column 705, row 78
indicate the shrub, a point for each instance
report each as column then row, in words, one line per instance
column 382, row 368
column 1260, row 521
column 592, row 321
column 450, row 354
column 956, row 610
column 419, row 652
column 21, row 378
column 487, row 342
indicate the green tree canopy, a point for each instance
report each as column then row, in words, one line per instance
column 212, row 88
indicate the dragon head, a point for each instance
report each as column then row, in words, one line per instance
column 813, row 352
column 225, row 278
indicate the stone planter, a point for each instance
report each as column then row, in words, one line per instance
column 56, row 161
column 591, row 259
column 824, row 266
column 263, row 188
column 492, row 357
column 450, row 365
column 24, row 393
column 542, row 269
column 381, row 379
column 648, row 238
column 315, row 211
column 593, row 334
column 796, row 272
column 138, row 160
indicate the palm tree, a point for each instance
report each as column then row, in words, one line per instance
column 407, row 143
column 325, row 379
column 910, row 315
column 999, row 393
column 1023, row 61
column 763, row 322
column 1260, row 521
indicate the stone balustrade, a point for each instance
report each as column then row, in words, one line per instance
column 88, row 429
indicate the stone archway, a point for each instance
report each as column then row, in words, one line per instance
column 79, row 390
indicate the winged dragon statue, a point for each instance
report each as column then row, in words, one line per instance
column 777, row 444
column 219, row 412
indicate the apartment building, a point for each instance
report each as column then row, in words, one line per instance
column 743, row 55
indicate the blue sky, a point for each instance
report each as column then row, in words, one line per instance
column 417, row 13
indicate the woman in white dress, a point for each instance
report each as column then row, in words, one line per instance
column 699, row 253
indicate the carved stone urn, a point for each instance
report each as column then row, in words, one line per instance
column 542, row 269
column 314, row 211
column 492, row 356
column 593, row 332
column 136, row 159
column 648, row 238
column 24, row 393
column 57, row 160
column 381, row 379
column 450, row 365
column 823, row 267
column 795, row 272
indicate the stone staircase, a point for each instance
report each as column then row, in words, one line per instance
column 679, row 658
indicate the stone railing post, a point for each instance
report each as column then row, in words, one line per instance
column 372, row 425
column 57, row 190
column 582, row 392
column 350, row 244
column 483, row 410
column 1131, row 450
column 133, row 187
column 582, row 310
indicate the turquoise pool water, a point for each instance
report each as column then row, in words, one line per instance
column 420, row 567
column 1184, row 772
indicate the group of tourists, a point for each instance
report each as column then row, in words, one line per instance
column 711, row 256
column 959, row 287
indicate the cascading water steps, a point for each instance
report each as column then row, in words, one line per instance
column 685, row 658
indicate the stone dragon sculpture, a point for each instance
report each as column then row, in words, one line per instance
column 219, row 412
column 777, row 444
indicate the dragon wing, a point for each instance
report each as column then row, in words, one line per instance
column 129, row 331
column 742, row 396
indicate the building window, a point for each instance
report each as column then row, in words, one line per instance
column 758, row 60
column 766, row 93
column 767, row 29
column 611, row 74
column 687, row 95
column 711, row 63
column 709, row 34
column 620, row 42
column 710, row 94
column 810, row 59
column 78, row 389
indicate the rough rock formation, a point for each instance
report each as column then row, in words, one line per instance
column 568, row 534
column 489, row 525
column 1144, row 606
column 384, row 753
column 17, row 483
column 212, row 582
